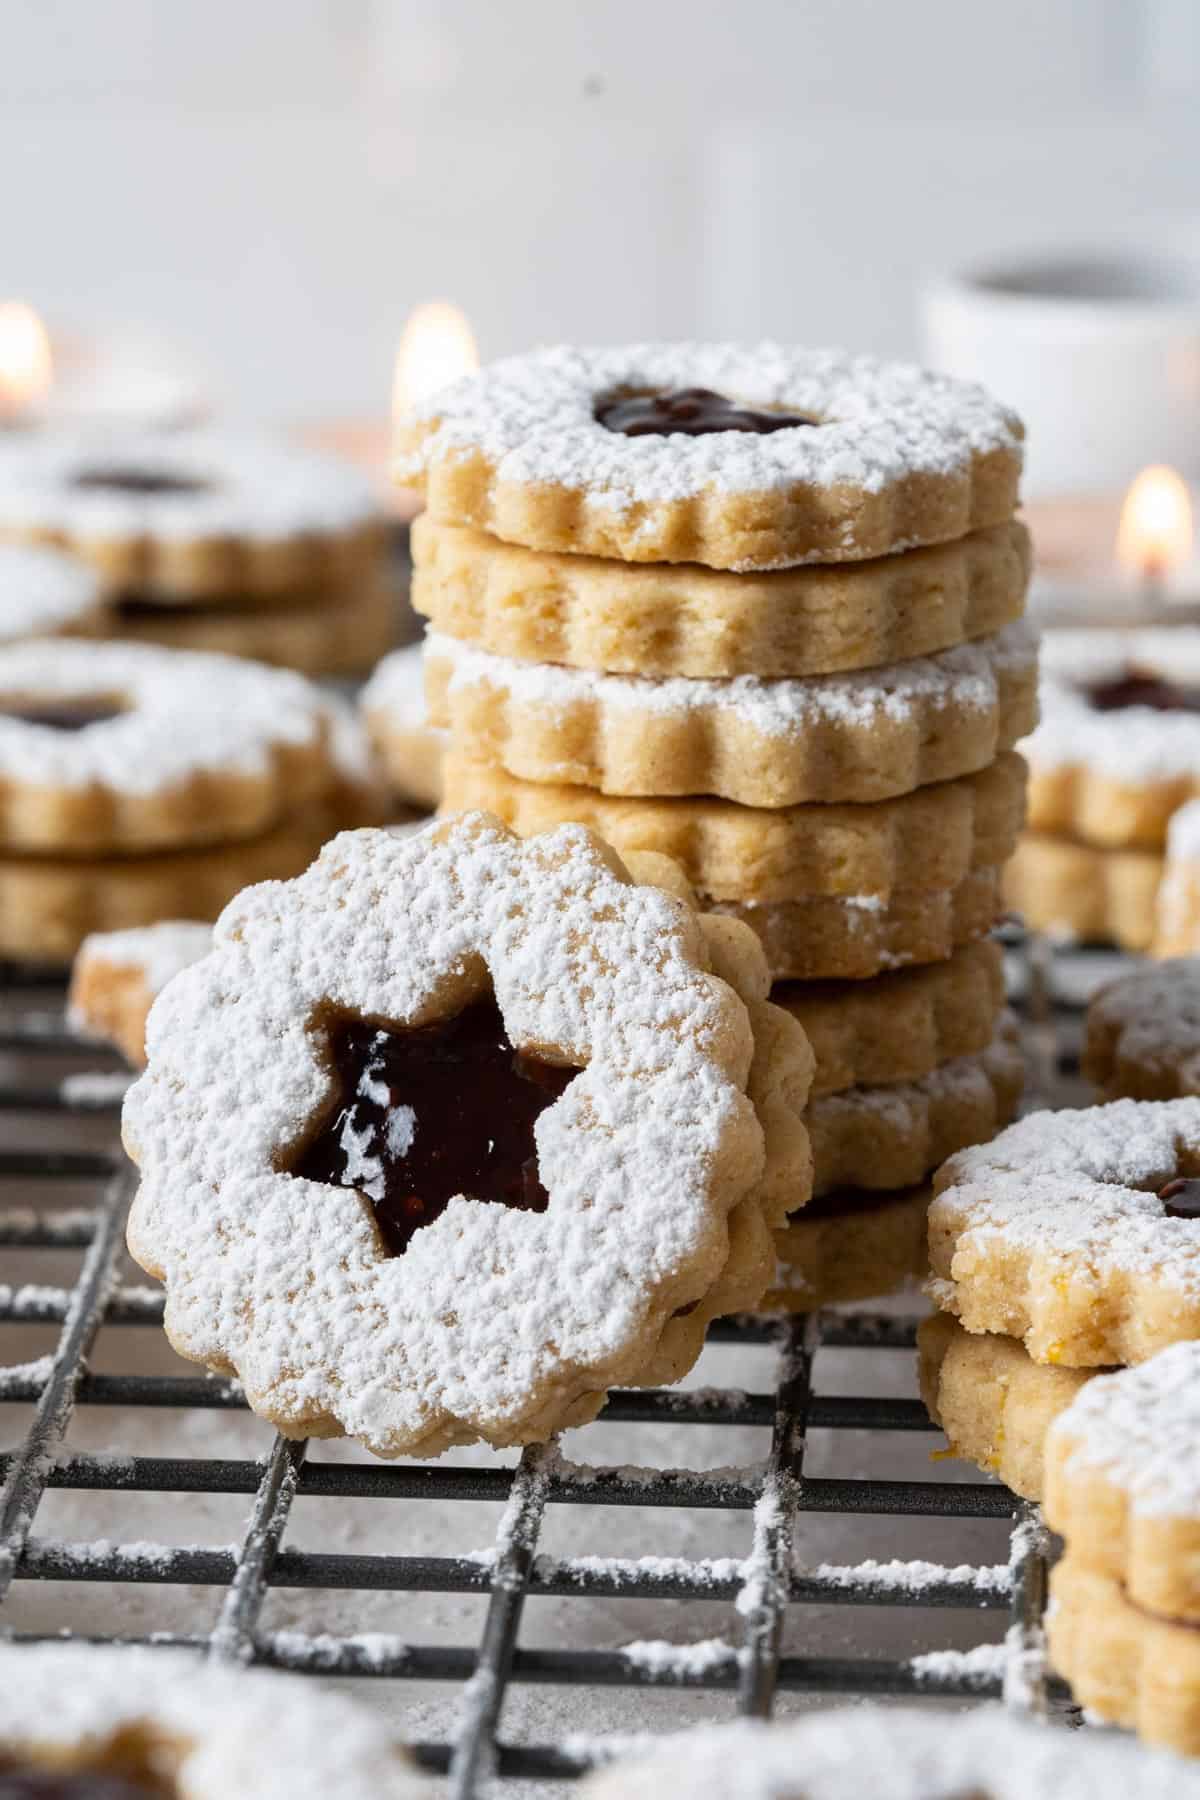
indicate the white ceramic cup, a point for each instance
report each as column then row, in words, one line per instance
column 1098, row 351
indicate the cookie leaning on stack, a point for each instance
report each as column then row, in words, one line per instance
column 759, row 609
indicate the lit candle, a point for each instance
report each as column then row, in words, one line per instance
column 26, row 365
column 1154, row 538
column 1110, row 561
column 437, row 346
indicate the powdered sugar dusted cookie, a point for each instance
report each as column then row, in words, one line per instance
column 182, row 515
column 737, row 457
column 1123, row 1480
column 1177, row 904
column 43, row 593
column 681, row 619
column 415, row 1020
column 863, row 736
column 1077, row 1232
column 118, row 975
column 117, row 747
column 397, row 720
column 994, row 1403
column 1118, row 747
column 1143, row 1033
column 894, row 1753
column 891, row 1135
column 921, row 841
column 325, row 632
column 123, row 1723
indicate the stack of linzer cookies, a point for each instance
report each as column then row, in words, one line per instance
column 791, row 659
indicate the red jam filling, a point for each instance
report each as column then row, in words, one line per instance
column 689, row 412
column 131, row 480
column 1138, row 687
column 61, row 715
column 421, row 1116
column 1181, row 1198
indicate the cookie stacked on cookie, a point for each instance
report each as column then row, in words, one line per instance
column 137, row 783
column 1116, row 755
column 759, row 609
column 203, row 542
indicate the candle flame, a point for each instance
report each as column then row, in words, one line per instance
column 1155, row 534
column 436, row 347
column 26, row 368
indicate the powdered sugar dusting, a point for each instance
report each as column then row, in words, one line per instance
column 896, row 1753
column 965, row 678
column 157, row 951
column 1141, row 1429
column 533, row 416
column 488, row 1309
column 397, row 689
column 1081, row 1185
column 42, row 590
column 77, row 1698
column 904, row 1103
column 1155, row 1015
column 1130, row 743
column 187, row 712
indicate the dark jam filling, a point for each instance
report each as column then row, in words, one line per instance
column 1138, row 687
column 62, row 715
column 139, row 607
column 690, row 412
column 421, row 1116
column 118, row 480
column 1181, row 1198
column 22, row 1781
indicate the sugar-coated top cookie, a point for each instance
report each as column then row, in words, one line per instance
column 43, row 591
column 744, row 457
column 1143, row 1032
column 1122, row 703
column 301, row 1244
column 877, row 1753
column 216, row 1733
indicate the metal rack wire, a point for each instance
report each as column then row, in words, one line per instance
column 760, row 1589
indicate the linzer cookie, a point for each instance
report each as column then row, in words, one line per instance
column 922, row 841
column 1123, row 1489
column 80, row 1722
column 891, row 1135
column 666, row 619
column 850, row 1244
column 186, row 515
column 110, row 748
column 481, row 1144
column 44, row 594
column 733, row 457
column 396, row 718
column 1074, row 890
column 1076, row 1232
column 1143, row 1033
column 865, row 736
column 1118, row 748
column 994, row 1403
column 117, row 976
column 894, row 1753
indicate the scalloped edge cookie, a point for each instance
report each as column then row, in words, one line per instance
column 900, row 1026
column 1125, row 1665
column 117, row 976
column 204, row 749
column 342, row 633
column 1143, row 1033
column 892, row 1136
column 44, row 593
column 897, row 456
column 994, row 1403
column 857, row 937
column 393, row 711
column 849, row 1245
column 862, row 737
column 925, row 840
column 180, row 1726
column 679, row 619
column 1123, row 1481
column 1054, row 1233
column 1076, row 891
column 266, row 518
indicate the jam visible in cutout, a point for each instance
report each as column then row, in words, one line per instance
column 1139, row 687
column 151, row 482
column 65, row 714
column 1181, row 1198
column 430, row 1113
column 692, row 412
column 25, row 1781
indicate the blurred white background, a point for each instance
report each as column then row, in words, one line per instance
column 275, row 183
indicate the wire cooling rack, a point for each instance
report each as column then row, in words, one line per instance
column 747, row 1668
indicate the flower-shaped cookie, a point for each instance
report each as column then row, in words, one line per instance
column 117, row 976
column 1143, row 1033
column 1078, row 1232
column 78, row 1721
column 414, row 1021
